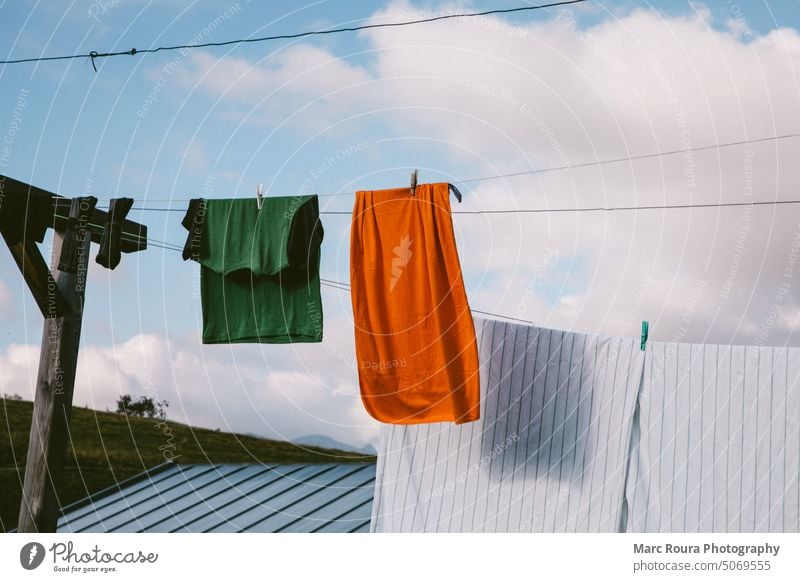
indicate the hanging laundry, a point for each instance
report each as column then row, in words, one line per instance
column 717, row 444
column 548, row 455
column 259, row 277
column 415, row 339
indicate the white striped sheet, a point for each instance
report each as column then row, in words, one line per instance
column 548, row 454
column 716, row 446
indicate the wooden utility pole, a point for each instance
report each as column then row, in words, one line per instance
column 59, row 293
column 55, row 384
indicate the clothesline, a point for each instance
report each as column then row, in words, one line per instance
column 536, row 171
column 608, row 208
column 174, row 246
column 558, row 210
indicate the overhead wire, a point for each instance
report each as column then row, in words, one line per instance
column 534, row 171
column 133, row 52
column 607, row 208
column 567, row 210
column 631, row 158
column 174, row 246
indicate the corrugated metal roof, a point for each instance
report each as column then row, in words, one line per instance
column 231, row 498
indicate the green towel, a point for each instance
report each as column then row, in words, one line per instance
column 259, row 280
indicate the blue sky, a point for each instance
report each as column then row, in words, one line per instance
column 338, row 113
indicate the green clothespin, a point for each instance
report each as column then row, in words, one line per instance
column 645, row 332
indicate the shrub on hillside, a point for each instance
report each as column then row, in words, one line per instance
column 143, row 406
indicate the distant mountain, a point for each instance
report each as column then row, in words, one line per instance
column 326, row 442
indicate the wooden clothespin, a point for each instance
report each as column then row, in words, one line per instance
column 110, row 253
column 645, row 333
column 260, row 195
column 414, row 177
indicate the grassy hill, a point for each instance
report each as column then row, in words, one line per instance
column 105, row 448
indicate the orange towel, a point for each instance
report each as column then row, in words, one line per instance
column 415, row 340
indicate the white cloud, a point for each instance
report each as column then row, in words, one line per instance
column 301, row 78
column 264, row 390
column 18, row 367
